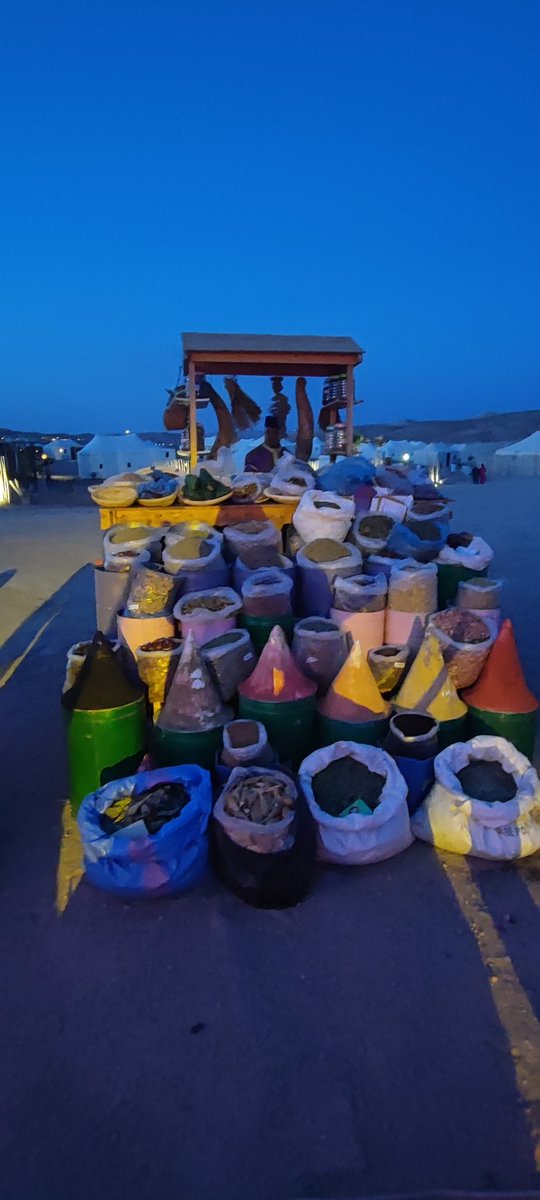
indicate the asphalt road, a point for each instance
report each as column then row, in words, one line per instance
column 382, row 1037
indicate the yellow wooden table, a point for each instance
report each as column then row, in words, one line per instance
column 279, row 512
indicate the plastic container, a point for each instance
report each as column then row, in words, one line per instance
column 209, row 579
column 404, row 628
column 418, row 775
column 204, row 624
column 135, row 631
column 517, row 728
column 111, row 590
column 267, row 593
column 367, row 733
column 412, row 735
column 290, row 724
column 479, row 595
column 231, row 659
column 102, row 745
column 413, row 743
column 156, row 669
column 260, row 628
column 491, row 617
column 388, row 665
column 379, row 564
column 366, row 628
column 449, row 576
column 315, row 579
column 172, row 748
column 320, row 649
column 241, row 571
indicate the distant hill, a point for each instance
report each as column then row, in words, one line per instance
column 503, row 428
column 490, row 427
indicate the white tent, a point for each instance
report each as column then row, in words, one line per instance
column 112, row 454
column 521, row 458
column 60, row 449
column 419, row 453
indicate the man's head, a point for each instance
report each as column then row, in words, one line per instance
column 271, row 432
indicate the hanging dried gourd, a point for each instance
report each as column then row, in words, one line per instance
column 304, row 412
column 226, row 435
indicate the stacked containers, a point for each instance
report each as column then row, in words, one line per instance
column 412, row 596
column 359, row 608
column 319, row 564
column 208, row 614
column 483, row 598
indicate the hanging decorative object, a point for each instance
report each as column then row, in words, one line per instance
column 245, row 412
column 305, row 429
column 280, row 407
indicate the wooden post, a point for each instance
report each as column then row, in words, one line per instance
column 350, row 408
column 192, row 416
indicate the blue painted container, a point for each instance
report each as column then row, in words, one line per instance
column 418, row 774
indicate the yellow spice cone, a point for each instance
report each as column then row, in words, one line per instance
column 354, row 688
column 428, row 685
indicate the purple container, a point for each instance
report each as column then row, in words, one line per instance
column 203, row 580
column 240, row 573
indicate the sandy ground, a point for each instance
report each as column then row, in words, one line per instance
column 382, row 1037
column 43, row 548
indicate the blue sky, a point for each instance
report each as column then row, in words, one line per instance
column 363, row 168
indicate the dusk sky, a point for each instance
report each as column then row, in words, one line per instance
column 360, row 168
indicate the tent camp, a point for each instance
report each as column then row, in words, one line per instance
column 61, row 449
column 420, row 453
column 112, row 454
column 522, row 458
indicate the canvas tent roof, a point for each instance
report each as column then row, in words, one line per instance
column 529, row 445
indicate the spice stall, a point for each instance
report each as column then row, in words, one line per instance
column 271, row 701
column 230, row 355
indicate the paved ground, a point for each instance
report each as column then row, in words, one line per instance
column 382, row 1037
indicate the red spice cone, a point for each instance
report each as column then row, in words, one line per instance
column 502, row 687
column 276, row 676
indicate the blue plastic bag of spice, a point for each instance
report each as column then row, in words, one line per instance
column 133, row 861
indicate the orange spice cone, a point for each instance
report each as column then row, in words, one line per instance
column 500, row 702
column 502, row 686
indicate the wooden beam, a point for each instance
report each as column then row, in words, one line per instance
column 289, row 365
column 192, row 415
column 350, row 409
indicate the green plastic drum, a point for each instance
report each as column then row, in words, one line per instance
column 452, row 731
column 172, row 749
column 449, row 575
column 103, row 745
column 290, row 725
column 517, row 728
column 260, row 628
column 366, row 733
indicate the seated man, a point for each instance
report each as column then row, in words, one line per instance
column 264, row 457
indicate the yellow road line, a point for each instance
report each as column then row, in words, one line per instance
column 10, row 671
column 511, row 1002
column 70, row 870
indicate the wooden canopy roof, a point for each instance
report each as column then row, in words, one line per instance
column 268, row 354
